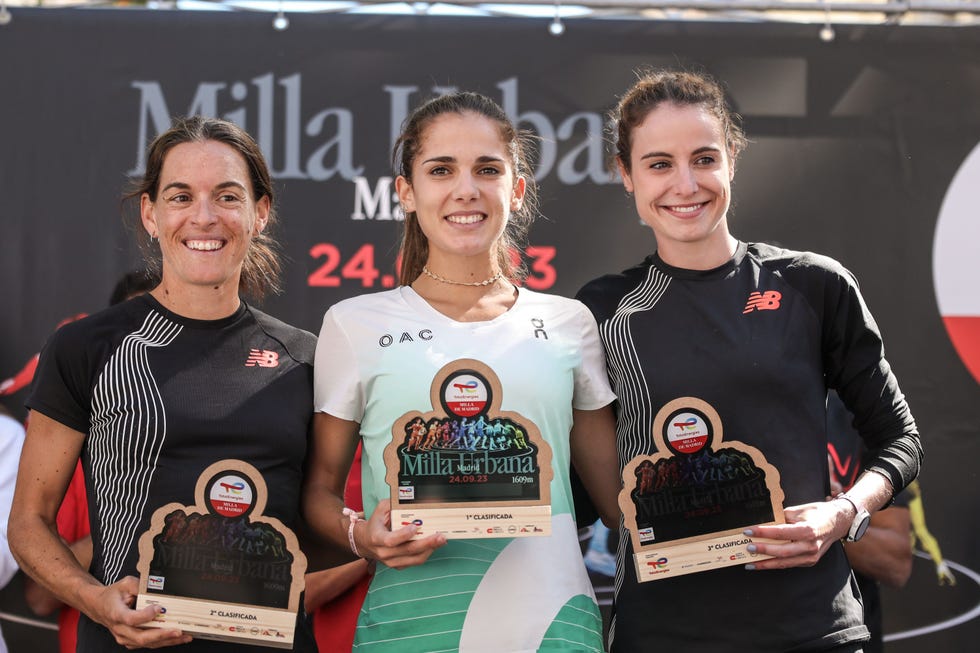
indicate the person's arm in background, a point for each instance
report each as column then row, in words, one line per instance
column 328, row 584
column 885, row 551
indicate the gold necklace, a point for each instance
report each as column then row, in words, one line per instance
column 485, row 282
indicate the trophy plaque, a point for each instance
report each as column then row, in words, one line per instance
column 219, row 569
column 468, row 469
column 686, row 507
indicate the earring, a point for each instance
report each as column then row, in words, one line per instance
column 153, row 238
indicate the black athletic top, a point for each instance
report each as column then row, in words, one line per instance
column 760, row 339
column 161, row 397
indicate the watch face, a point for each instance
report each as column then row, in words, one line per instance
column 860, row 526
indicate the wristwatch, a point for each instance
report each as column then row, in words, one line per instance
column 862, row 519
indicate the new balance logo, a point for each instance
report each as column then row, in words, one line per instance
column 262, row 358
column 763, row 301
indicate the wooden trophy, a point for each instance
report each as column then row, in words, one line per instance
column 466, row 468
column 686, row 508
column 220, row 569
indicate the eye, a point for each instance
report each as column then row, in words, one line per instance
column 229, row 198
column 439, row 171
column 178, row 198
column 707, row 160
column 489, row 171
column 659, row 165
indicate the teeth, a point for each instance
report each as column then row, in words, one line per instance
column 464, row 219
column 204, row 245
column 686, row 209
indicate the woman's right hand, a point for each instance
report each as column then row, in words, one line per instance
column 112, row 606
column 394, row 548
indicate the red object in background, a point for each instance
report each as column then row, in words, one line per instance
column 73, row 525
column 334, row 622
column 964, row 332
column 20, row 380
column 24, row 377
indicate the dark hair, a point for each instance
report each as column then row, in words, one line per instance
column 414, row 246
column 261, row 270
column 654, row 88
column 133, row 283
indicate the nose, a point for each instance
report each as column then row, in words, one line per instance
column 466, row 187
column 687, row 180
column 205, row 213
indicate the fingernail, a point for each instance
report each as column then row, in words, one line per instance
column 750, row 567
column 748, row 532
column 751, row 548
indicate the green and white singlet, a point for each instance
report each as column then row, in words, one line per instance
column 376, row 360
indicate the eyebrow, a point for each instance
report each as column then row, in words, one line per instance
column 180, row 185
column 451, row 159
column 668, row 155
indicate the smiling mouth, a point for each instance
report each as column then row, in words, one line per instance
column 204, row 245
column 471, row 218
column 687, row 208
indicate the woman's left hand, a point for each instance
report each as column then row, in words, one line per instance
column 809, row 531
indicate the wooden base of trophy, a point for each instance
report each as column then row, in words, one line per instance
column 244, row 624
column 709, row 553
column 470, row 523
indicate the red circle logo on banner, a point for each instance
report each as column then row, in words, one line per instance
column 956, row 262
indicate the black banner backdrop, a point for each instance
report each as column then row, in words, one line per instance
column 860, row 150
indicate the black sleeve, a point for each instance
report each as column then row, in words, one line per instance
column 602, row 296
column 299, row 344
column 61, row 388
column 855, row 365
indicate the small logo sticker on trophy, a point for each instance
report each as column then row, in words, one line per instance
column 684, row 506
column 231, row 495
column 466, row 395
column 687, row 433
column 454, row 468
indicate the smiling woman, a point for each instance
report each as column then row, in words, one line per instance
column 204, row 218
column 461, row 196
column 758, row 333
column 151, row 392
column 424, row 154
column 525, row 391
